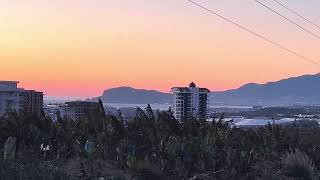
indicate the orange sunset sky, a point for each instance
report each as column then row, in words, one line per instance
column 81, row 47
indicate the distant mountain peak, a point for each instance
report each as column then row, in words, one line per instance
column 130, row 95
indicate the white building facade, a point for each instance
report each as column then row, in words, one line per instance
column 190, row 102
column 19, row 100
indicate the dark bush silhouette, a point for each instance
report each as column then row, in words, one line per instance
column 156, row 146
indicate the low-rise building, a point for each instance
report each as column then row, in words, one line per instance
column 74, row 110
column 79, row 109
column 53, row 111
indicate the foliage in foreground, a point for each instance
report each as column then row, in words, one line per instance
column 156, row 146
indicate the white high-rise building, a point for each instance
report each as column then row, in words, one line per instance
column 190, row 102
column 19, row 100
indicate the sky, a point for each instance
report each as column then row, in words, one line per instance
column 80, row 47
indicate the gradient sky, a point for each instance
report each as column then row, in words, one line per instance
column 81, row 47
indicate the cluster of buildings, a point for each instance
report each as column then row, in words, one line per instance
column 19, row 100
column 14, row 99
column 187, row 102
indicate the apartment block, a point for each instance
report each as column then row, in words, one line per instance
column 189, row 102
column 19, row 100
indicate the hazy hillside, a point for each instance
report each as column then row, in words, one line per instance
column 296, row 90
column 134, row 96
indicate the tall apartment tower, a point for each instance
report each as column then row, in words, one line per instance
column 189, row 102
column 19, row 100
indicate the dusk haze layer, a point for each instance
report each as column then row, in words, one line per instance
column 80, row 47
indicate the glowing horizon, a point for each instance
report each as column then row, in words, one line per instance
column 80, row 48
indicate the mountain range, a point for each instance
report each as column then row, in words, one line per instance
column 302, row 90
